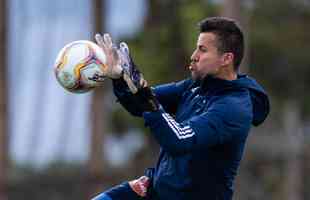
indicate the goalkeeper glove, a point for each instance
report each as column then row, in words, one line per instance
column 113, row 69
column 143, row 96
column 121, row 68
column 119, row 64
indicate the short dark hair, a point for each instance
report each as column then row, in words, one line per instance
column 229, row 36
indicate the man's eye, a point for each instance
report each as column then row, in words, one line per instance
column 203, row 49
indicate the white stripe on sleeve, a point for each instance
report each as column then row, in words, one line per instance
column 181, row 132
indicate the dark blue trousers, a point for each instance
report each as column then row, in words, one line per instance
column 119, row 192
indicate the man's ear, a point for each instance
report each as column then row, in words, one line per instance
column 228, row 58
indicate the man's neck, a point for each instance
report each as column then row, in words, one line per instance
column 227, row 76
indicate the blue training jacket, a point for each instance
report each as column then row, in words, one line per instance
column 202, row 128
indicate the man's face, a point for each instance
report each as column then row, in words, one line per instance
column 206, row 60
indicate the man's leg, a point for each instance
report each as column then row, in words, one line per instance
column 102, row 196
column 119, row 192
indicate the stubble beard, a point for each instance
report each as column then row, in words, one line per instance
column 196, row 77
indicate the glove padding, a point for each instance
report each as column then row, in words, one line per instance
column 113, row 69
column 143, row 96
column 131, row 74
column 121, row 69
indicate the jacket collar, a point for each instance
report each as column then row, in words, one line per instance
column 213, row 84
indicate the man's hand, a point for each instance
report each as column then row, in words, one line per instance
column 113, row 69
column 140, row 185
column 131, row 74
column 121, row 69
column 143, row 95
column 120, row 64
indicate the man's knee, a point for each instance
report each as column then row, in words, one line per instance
column 119, row 192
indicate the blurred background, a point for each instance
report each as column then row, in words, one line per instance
column 58, row 145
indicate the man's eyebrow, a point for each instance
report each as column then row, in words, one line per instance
column 202, row 46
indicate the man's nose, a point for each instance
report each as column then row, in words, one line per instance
column 194, row 57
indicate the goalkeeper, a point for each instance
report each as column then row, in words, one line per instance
column 201, row 123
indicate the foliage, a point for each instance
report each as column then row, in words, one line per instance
column 155, row 48
column 279, row 48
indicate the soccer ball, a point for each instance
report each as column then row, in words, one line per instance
column 76, row 65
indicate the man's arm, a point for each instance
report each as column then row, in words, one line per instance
column 225, row 120
column 129, row 86
column 168, row 95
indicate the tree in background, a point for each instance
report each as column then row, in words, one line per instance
column 235, row 9
column 279, row 49
column 3, row 103
column 279, row 58
column 97, row 119
column 163, row 48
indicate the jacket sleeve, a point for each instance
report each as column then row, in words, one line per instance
column 168, row 95
column 224, row 121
